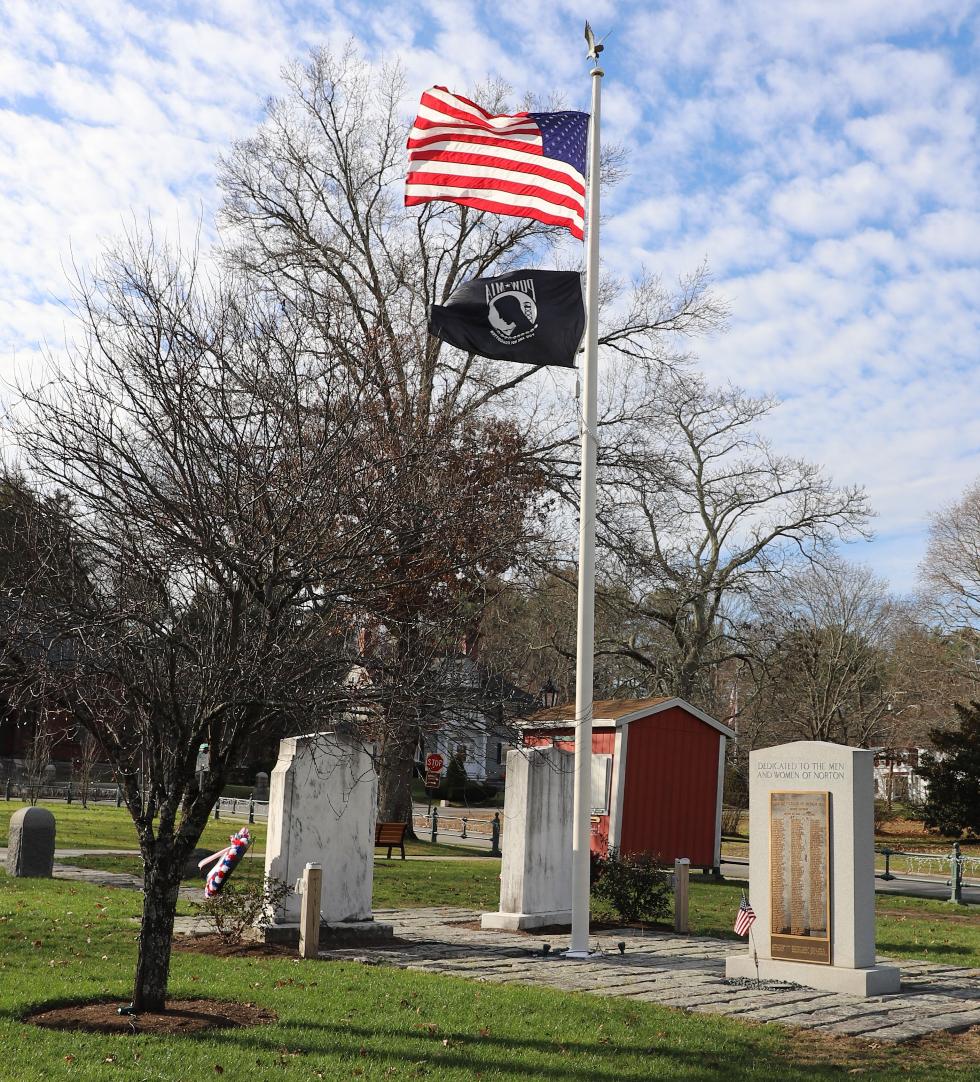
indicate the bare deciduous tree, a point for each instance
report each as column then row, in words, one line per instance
column 950, row 571
column 932, row 671
column 38, row 754
column 463, row 510
column 829, row 672
column 698, row 514
column 89, row 752
column 314, row 206
column 530, row 637
column 207, row 457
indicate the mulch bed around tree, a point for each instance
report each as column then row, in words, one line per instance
column 222, row 946
column 182, row 1016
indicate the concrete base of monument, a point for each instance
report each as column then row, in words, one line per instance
column 870, row 981
column 333, row 934
column 523, row 922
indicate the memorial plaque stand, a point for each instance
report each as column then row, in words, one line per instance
column 811, row 870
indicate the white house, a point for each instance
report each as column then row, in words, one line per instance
column 896, row 774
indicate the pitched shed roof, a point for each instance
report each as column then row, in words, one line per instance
column 619, row 712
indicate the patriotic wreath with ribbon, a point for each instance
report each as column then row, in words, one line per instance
column 227, row 861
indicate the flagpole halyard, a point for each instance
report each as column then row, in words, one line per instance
column 581, row 837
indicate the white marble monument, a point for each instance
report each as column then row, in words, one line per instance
column 536, row 869
column 811, row 870
column 322, row 810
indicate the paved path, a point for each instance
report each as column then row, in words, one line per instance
column 676, row 971
column 101, row 878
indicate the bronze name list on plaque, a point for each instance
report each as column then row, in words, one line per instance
column 799, row 869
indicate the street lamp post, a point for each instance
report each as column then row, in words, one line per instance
column 548, row 695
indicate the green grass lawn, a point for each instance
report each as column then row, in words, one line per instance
column 62, row 941
column 474, row 884
column 397, row 883
column 102, row 826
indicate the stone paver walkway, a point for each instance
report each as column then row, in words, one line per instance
column 676, row 971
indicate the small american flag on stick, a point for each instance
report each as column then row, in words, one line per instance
column 531, row 165
column 745, row 918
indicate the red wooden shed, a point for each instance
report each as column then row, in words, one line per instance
column 658, row 771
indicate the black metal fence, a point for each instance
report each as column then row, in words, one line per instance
column 915, row 866
column 72, row 793
column 242, row 808
column 436, row 822
column 69, row 792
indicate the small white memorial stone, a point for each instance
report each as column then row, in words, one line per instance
column 30, row 844
column 811, row 870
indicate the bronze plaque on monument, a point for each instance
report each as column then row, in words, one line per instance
column 799, row 876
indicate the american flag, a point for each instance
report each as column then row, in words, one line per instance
column 745, row 918
column 531, row 165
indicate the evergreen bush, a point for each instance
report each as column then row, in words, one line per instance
column 635, row 885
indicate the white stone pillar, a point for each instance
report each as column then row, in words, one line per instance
column 322, row 810
column 536, row 869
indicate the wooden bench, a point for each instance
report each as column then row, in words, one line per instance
column 391, row 835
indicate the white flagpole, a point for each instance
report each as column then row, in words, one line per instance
column 581, row 843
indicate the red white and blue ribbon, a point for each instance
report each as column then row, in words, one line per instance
column 227, row 861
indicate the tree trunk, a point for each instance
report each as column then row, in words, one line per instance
column 161, row 882
column 395, row 777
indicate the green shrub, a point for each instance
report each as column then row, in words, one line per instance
column 913, row 809
column 242, row 905
column 456, row 779
column 953, row 776
column 475, row 793
column 635, row 885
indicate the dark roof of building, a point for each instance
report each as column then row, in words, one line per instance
column 602, row 710
column 618, row 712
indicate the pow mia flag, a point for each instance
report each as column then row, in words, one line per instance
column 528, row 316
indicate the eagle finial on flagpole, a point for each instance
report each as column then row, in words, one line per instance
column 595, row 47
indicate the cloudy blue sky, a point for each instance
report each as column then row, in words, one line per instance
column 822, row 155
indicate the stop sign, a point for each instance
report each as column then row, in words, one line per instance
column 433, row 763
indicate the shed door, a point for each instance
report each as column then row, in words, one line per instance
column 601, row 789
column 601, row 783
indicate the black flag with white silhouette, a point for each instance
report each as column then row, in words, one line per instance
column 527, row 316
